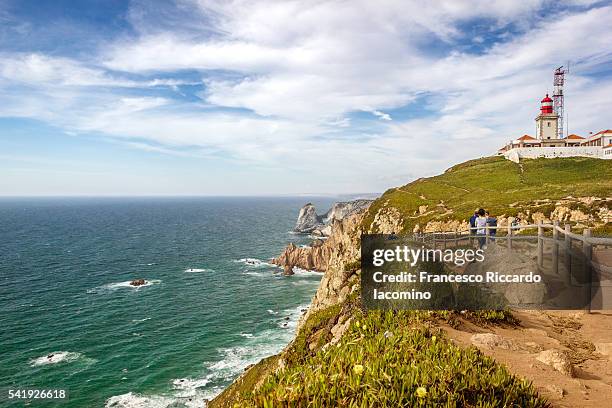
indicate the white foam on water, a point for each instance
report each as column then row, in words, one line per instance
column 247, row 335
column 140, row 320
column 294, row 315
column 189, row 383
column 197, row 270
column 55, row 358
column 306, row 272
column 131, row 400
column 255, row 263
column 272, row 312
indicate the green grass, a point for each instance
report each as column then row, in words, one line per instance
column 390, row 359
column 494, row 183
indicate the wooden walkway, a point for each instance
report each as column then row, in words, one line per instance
column 564, row 244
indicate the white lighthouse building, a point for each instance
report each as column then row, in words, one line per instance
column 547, row 124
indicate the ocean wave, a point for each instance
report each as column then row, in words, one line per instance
column 140, row 320
column 255, row 263
column 55, row 358
column 232, row 361
column 196, row 270
column 292, row 317
column 132, row 400
column 306, row 272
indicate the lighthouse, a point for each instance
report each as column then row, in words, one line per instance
column 547, row 122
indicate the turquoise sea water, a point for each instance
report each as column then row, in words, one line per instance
column 65, row 265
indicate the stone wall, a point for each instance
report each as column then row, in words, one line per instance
column 551, row 152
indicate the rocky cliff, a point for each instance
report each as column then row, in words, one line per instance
column 321, row 225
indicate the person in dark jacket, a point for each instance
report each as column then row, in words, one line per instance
column 491, row 222
column 473, row 223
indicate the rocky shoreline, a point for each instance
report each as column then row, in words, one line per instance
column 328, row 227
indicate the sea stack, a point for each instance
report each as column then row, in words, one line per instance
column 138, row 282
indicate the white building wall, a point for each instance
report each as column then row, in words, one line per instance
column 552, row 152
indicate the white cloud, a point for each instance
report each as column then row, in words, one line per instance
column 300, row 69
column 381, row 115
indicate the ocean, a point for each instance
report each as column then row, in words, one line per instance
column 211, row 305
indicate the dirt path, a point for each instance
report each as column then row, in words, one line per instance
column 584, row 339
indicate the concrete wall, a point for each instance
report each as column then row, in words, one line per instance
column 551, row 152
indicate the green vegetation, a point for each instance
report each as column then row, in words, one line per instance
column 495, row 183
column 388, row 359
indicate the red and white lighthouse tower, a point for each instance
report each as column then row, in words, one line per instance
column 547, row 122
column 547, row 106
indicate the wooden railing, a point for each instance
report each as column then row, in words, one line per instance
column 587, row 241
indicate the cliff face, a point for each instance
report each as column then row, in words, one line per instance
column 321, row 225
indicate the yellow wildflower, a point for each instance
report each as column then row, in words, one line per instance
column 358, row 369
column 421, row 392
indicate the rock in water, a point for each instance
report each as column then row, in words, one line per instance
column 308, row 220
column 138, row 282
column 288, row 270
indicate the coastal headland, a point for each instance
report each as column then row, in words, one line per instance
column 343, row 354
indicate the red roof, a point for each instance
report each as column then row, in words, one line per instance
column 602, row 131
column 526, row 137
column 573, row 136
column 610, row 145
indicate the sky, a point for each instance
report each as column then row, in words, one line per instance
column 200, row 97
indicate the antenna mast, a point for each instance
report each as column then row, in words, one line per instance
column 559, row 79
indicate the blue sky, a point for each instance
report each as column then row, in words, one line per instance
column 264, row 97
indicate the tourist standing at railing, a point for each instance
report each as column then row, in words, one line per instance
column 481, row 228
column 492, row 223
column 473, row 223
